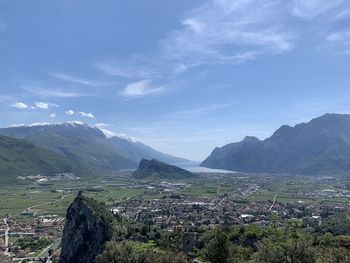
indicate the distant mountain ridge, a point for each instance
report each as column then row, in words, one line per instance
column 22, row 158
column 321, row 146
column 87, row 145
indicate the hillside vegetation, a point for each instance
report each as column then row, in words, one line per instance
column 22, row 158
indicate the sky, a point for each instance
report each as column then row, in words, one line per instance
column 181, row 76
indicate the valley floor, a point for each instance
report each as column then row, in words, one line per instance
column 34, row 213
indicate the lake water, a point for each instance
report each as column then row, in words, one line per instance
column 198, row 169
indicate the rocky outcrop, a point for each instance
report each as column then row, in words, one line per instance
column 155, row 168
column 88, row 227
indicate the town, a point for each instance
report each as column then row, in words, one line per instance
column 214, row 199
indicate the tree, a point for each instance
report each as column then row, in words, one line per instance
column 135, row 252
column 218, row 249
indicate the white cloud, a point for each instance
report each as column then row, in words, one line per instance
column 42, row 105
column 86, row 114
column 19, row 105
column 52, row 115
column 108, row 133
column 37, row 105
column 127, row 137
column 69, row 112
column 45, row 105
column 80, row 113
column 195, row 25
column 102, row 125
column 140, row 88
column 77, row 80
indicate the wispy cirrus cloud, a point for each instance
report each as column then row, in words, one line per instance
column 229, row 32
column 340, row 41
column 225, row 31
column 313, row 8
column 198, row 112
column 127, row 69
column 140, row 89
column 77, row 80
column 344, row 14
column 54, row 92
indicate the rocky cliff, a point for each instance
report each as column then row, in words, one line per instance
column 88, row 227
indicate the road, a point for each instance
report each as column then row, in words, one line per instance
column 220, row 203
column 273, row 203
column 7, row 235
column 46, row 203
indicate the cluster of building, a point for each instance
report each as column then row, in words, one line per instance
column 23, row 240
column 178, row 211
column 328, row 193
column 42, row 179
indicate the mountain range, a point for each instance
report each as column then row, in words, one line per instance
column 321, row 146
column 22, row 158
column 87, row 145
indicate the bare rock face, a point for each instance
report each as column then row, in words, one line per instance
column 88, row 227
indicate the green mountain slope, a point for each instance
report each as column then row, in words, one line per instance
column 76, row 141
column 22, row 158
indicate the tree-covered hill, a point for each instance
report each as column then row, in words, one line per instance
column 157, row 169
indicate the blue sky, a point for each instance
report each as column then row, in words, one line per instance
column 181, row 76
